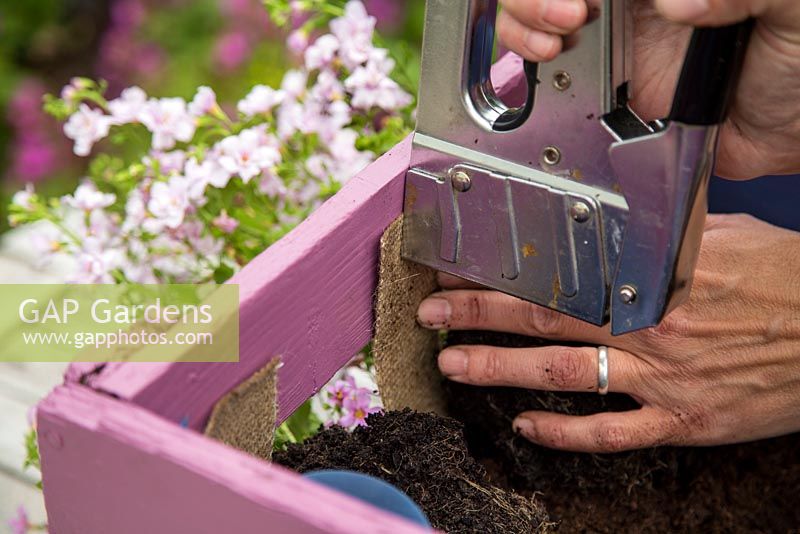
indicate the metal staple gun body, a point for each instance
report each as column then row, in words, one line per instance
column 569, row 200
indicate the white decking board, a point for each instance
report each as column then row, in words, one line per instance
column 22, row 384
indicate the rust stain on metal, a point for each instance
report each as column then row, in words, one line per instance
column 617, row 188
column 577, row 174
column 411, row 196
column 528, row 250
column 556, row 292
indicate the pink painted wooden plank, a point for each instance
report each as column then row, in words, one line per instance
column 112, row 467
column 307, row 299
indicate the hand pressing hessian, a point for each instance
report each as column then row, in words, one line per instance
column 762, row 133
column 722, row 368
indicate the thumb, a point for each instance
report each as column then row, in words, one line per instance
column 723, row 12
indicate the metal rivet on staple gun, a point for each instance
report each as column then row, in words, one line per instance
column 579, row 212
column 627, row 294
column 551, row 155
column 562, row 80
column 461, row 181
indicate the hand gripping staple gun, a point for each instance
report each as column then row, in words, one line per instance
column 570, row 201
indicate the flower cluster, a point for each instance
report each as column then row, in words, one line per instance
column 35, row 152
column 194, row 192
column 350, row 404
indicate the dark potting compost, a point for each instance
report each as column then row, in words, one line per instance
column 474, row 474
column 749, row 487
column 425, row 456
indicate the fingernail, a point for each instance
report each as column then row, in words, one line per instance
column 453, row 362
column 434, row 312
column 524, row 426
column 683, row 10
column 565, row 14
column 541, row 45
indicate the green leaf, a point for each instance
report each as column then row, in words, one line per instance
column 393, row 130
column 369, row 358
column 31, row 451
column 299, row 426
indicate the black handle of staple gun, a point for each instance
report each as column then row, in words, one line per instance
column 710, row 74
column 516, row 117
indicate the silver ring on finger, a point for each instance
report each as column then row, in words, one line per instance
column 602, row 370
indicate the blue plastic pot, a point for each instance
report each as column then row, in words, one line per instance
column 372, row 490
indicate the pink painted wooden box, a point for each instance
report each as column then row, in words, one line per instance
column 122, row 445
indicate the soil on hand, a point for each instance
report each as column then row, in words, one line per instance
column 751, row 487
column 426, row 457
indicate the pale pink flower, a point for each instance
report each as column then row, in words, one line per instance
column 135, row 210
column 86, row 126
column 322, row 52
column 343, row 145
column 297, row 42
column 190, row 229
column 200, row 243
column 307, row 194
column 289, row 219
column 340, row 390
column 354, row 31
column 327, row 121
column 47, row 239
column 207, row 247
column 87, row 198
column 30, row 416
column 357, row 408
column 129, row 106
column 173, row 258
column 168, row 204
column 272, row 186
column 328, row 87
column 102, row 225
column 249, row 153
column 205, row 100
column 317, row 165
column 96, row 262
column 169, row 121
column 169, row 163
column 294, row 83
column 139, row 272
column 68, row 93
column 225, row 222
column 312, row 116
column 348, row 159
column 371, row 85
column 75, row 84
column 344, row 161
column 23, row 197
column 200, row 175
column 260, row 99
column 289, row 118
column 342, row 171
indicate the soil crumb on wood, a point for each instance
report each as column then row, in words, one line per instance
column 425, row 456
column 750, row 487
